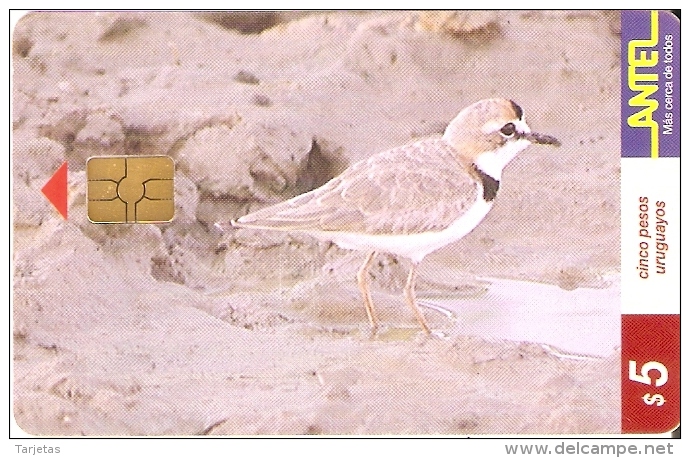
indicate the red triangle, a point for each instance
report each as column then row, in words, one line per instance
column 55, row 190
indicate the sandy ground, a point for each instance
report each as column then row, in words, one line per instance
column 185, row 329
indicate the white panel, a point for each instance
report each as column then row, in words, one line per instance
column 644, row 252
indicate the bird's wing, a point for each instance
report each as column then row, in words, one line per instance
column 415, row 188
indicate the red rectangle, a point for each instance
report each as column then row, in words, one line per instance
column 650, row 373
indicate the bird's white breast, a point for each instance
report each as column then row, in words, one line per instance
column 413, row 246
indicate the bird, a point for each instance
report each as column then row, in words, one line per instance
column 411, row 200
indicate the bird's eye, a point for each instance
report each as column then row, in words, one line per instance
column 508, row 130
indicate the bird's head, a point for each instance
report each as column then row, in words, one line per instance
column 491, row 132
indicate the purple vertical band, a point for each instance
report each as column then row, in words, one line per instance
column 650, row 84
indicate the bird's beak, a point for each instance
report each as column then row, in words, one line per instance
column 542, row 139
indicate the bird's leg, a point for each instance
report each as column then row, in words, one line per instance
column 412, row 300
column 363, row 282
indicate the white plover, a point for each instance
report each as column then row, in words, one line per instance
column 414, row 199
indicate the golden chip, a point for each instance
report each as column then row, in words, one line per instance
column 130, row 189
